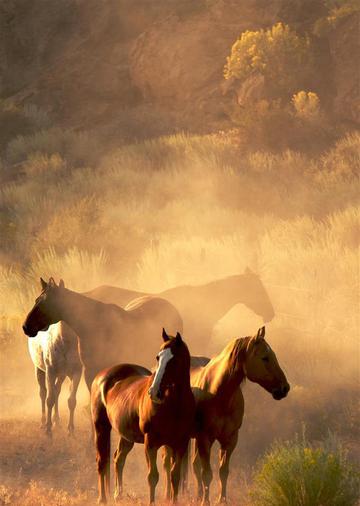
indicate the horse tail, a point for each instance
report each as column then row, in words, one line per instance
column 102, row 433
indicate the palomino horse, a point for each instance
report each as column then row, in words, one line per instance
column 220, row 402
column 55, row 355
column 155, row 409
column 107, row 334
column 202, row 306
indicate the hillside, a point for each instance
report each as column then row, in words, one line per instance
column 119, row 64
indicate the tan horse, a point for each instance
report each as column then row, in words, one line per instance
column 55, row 356
column 155, row 409
column 107, row 334
column 220, row 402
column 202, row 306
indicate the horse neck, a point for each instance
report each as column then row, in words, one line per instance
column 80, row 312
column 223, row 294
column 184, row 386
column 223, row 375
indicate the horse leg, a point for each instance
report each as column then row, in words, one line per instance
column 204, row 446
column 89, row 376
column 40, row 376
column 75, row 380
column 175, row 474
column 124, row 447
column 166, row 458
column 197, row 472
column 185, row 469
column 50, row 398
column 226, row 449
column 153, row 474
column 102, row 444
column 58, row 383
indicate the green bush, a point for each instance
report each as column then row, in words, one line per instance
column 300, row 474
column 279, row 54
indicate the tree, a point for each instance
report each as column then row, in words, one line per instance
column 279, row 54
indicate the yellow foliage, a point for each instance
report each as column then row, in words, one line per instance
column 282, row 56
column 306, row 104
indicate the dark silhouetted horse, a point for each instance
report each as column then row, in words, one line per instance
column 201, row 307
column 107, row 334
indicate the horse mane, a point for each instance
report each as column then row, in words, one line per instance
column 223, row 366
column 237, row 349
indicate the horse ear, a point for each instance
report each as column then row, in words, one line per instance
column 260, row 334
column 165, row 336
column 52, row 282
column 43, row 284
column 61, row 283
column 178, row 337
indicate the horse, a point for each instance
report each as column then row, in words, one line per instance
column 55, row 356
column 202, row 306
column 220, row 403
column 154, row 409
column 107, row 334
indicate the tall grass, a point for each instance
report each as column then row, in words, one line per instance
column 188, row 209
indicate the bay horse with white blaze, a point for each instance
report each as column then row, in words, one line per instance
column 220, row 402
column 107, row 334
column 55, row 356
column 155, row 409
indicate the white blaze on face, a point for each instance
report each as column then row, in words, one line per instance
column 164, row 357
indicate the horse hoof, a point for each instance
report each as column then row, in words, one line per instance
column 101, row 500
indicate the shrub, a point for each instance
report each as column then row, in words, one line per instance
column 39, row 163
column 306, row 105
column 38, row 117
column 338, row 10
column 77, row 147
column 300, row 474
column 81, row 270
column 279, row 54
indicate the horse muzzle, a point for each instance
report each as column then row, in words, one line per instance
column 156, row 397
column 28, row 332
column 280, row 393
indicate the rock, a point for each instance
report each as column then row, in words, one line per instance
column 344, row 43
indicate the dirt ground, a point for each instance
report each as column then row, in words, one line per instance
column 36, row 470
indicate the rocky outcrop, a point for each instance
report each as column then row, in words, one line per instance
column 179, row 61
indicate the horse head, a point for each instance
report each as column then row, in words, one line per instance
column 261, row 366
column 173, row 368
column 257, row 298
column 45, row 310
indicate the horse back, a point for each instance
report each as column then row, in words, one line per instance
column 113, row 295
column 156, row 311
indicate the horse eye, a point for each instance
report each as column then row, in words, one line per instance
column 265, row 359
